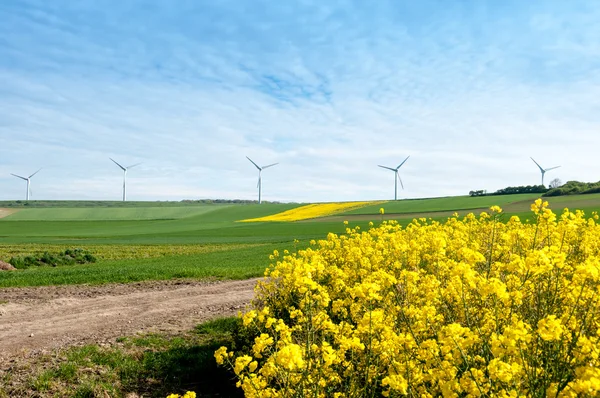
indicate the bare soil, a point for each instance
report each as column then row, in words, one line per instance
column 42, row 319
column 6, row 266
column 6, row 212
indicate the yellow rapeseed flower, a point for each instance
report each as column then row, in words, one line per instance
column 469, row 307
column 312, row 211
column 550, row 328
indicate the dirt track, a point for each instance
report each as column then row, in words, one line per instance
column 40, row 319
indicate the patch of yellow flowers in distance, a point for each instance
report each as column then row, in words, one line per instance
column 312, row 211
column 476, row 306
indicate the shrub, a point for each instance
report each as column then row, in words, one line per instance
column 68, row 257
column 30, row 261
column 470, row 307
column 574, row 188
column 89, row 258
column 521, row 189
column 17, row 262
column 49, row 259
column 479, row 192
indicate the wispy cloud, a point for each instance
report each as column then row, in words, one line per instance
column 328, row 89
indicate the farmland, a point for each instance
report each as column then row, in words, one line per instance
column 187, row 246
column 152, row 241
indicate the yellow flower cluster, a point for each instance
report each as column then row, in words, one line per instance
column 471, row 307
column 311, row 211
column 189, row 394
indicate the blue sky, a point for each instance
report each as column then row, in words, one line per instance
column 329, row 89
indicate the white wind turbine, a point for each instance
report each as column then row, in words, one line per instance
column 544, row 170
column 396, row 177
column 124, row 176
column 260, row 169
column 28, row 179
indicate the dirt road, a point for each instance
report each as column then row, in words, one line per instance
column 41, row 319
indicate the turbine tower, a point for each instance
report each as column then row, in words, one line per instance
column 260, row 169
column 28, row 179
column 396, row 177
column 544, row 170
column 124, row 176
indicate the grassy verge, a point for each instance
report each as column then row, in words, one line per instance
column 148, row 365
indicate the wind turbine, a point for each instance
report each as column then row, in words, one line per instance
column 124, row 176
column 28, row 179
column 260, row 169
column 544, row 170
column 396, row 177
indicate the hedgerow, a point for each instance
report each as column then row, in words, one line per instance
column 66, row 257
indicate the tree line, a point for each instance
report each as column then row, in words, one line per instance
column 556, row 188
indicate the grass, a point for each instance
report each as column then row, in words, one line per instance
column 443, row 204
column 510, row 203
column 151, row 365
column 214, row 226
column 234, row 250
column 111, row 213
column 241, row 263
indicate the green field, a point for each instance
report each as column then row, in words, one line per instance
column 110, row 213
column 217, row 244
column 441, row 208
column 451, row 203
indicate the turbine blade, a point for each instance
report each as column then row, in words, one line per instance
column 23, row 178
column 122, row 168
column 400, row 179
column 402, row 162
column 258, row 182
column 385, row 167
column 542, row 170
column 552, row 168
column 253, row 163
column 35, row 173
column 137, row 164
column 264, row 167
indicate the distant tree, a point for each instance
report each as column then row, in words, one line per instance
column 555, row 183
column 574, row 188
column 480, row 192
column 521, row 189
